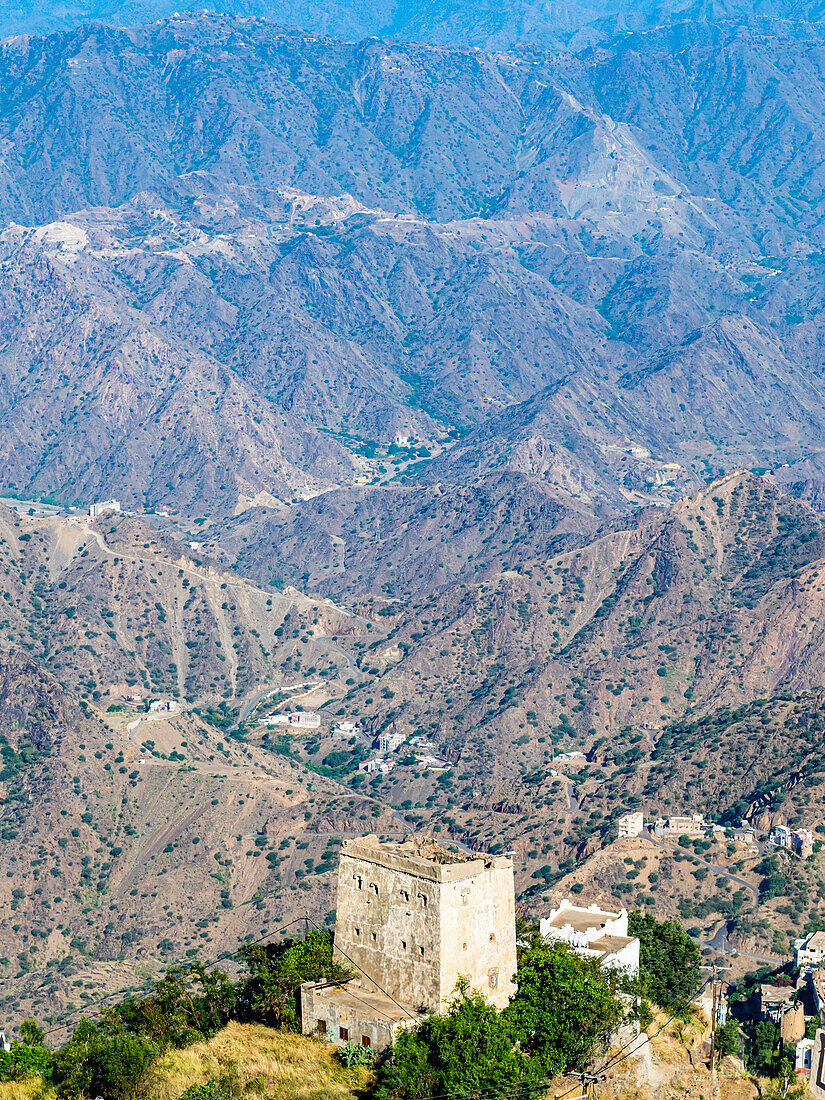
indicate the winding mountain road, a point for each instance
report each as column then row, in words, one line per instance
column 723, row 871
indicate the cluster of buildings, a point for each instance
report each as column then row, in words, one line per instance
column 783, row 1003
column 800, row 841
column 389, row 743
column 633, row 824
column 413, row 919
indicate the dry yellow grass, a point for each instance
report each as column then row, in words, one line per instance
column 25, row 1090
column 262, row 1061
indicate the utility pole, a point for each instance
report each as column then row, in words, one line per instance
column 587, row 1081
column 716, row 971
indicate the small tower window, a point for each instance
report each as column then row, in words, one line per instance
column 373, row 936
column 492, row 978
column 374, row 888
column 421, row 952
column 405, row 895
column 403, row 945
column 423, row 899
column 359, row 883
column 492, row 937
column 357, row 931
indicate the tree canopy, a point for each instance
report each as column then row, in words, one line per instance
column 668, row 960
column 565, row 1007
column 469, row 1049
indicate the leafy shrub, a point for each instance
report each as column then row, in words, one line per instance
column 353, row 1054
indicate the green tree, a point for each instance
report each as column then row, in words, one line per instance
column 727, row 1038
column 786, row 1085
column 668, row 960
column 32, row 1034
column 467, row 1051
column 763, row 1046
column 188, row 1003
column 24, row 1061
column 269, row 994
column 565, row 1007
column 94, row 1062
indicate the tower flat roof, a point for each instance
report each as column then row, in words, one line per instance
column 424, row 859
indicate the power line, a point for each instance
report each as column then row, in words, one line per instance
column 370, row 978
column 146, row 986
column 528, row 1089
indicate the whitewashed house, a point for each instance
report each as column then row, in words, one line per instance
column 595, row 932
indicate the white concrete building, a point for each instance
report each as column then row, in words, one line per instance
column 4, row 1042
column 595, row 932
column 680, row 826
column 343, row 731
column 804, row 1052
column 376, row 765
column 305, row 720
column 389, row 742
column 810, row 951
column 158, row 705
column 631, row 824
column 433, row 763
column 98, row 508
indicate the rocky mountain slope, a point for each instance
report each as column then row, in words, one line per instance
column 272, row 253
column 437, row 385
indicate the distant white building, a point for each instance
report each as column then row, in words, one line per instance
column 383, row 767
column 810, row 951
column 804, row 1054
column 276, row 720
column 800, row 841
column 344, row 731
column 680, row 826
column 305, row 720
column 389, row 742
column 564, row 757
column 631, row 824
column 595, row 932
column 4, row 1042
column 402, row 440
column 102, row 506
column 433, row 763
column 158, row 705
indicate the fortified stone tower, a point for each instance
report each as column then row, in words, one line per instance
column 414, row 918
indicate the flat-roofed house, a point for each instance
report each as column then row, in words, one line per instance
column 596, row 932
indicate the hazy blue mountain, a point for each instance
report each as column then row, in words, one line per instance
column 483, row 23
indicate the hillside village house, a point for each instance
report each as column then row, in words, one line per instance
column 413, row 918
column 800, row 841
column 102, row 506
column 810, row 951
column 694, row 825
column 595, row 932
column 631, row 825
column 776, row 1000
